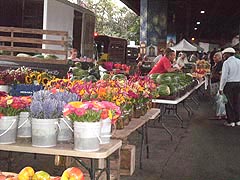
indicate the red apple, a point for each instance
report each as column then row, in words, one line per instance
column 72, row 173
column 2, row 177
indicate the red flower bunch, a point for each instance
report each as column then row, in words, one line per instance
column 6, row 77
column 12, row 106
column 117, row 66
column 14, row 76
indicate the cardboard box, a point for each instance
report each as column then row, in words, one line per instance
column 128, row 158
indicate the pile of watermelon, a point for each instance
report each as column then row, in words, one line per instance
column 172, row 84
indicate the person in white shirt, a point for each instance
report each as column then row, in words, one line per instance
column 182, row 59
column 230, row 86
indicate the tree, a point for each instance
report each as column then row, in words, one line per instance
column 112, row 20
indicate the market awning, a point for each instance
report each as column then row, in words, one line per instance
column 199, row 48
column 184, row 45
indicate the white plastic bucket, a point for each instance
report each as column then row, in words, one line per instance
column 24, row 125
column 44, row 132
column 106, row 127
column 4, row 88
column 66, row 130
column 87, row 136
column 8, row 129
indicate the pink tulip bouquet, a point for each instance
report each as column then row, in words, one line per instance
column 91, row 111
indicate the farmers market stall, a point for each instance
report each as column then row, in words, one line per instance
column 66, row 149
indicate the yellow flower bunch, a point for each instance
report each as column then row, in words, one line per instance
column 40, row 78
column 30, row 78
column 60, row 84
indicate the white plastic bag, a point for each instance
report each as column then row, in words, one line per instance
column 221, row 100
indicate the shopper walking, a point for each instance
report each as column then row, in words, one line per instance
column 230, row 86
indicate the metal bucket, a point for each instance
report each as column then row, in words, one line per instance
column 8, row 129
column 66, row 130
column 44, row 132
column 87, row 136
column 106, row 127
column 24, row 125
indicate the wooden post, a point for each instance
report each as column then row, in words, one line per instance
column 12, row 35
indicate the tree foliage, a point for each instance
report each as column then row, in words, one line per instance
column 115, row 21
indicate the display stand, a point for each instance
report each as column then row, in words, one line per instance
column 168, row 106
column 67, row 150
column 140, row 125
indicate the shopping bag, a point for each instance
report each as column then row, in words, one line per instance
column 221, row 100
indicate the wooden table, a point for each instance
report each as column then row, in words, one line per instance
column 105, row 151
column 134, row 125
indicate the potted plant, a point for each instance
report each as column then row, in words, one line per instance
column 87, row 122
column 24, row 123
column 46, row 109
column 10, row 107
column 65, row 125
column 6, row 79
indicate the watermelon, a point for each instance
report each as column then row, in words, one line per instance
column 118, row 76
column 78, row 64
column 86, row 79
column 38, row 56
column 154, row 76
column 174, row 87
column 23, row 55
column 165, row 80
column 92, row 78
column 158, row 79
column 163, row 90
column 50, row 56
column 106, row 76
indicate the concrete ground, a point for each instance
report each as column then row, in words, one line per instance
column 203, row 150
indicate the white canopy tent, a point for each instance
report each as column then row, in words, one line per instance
column 184, row 45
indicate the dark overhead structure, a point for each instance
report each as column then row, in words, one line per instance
column 219, row 23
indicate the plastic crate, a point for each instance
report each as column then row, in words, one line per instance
column 24, row 89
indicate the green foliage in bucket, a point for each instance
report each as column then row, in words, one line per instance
column 89, row 116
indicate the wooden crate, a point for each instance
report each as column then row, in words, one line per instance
column 128, row 157
column 16, row 40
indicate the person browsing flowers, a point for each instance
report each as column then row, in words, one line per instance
column 164, row 65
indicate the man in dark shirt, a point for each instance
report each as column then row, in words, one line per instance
column 217, row 67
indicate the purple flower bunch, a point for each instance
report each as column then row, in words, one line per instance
column 47, row 104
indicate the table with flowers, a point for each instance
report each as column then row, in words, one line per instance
column 81, row 102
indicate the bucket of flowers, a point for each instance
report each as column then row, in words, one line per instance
column 10, row 108
column 24, row 123
column 87, row 122
column 46, row 109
